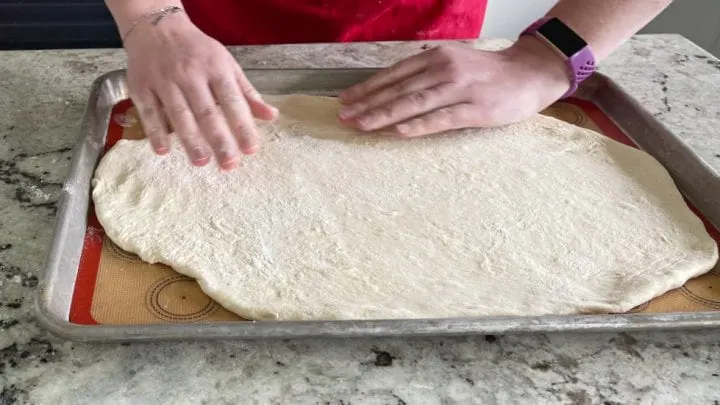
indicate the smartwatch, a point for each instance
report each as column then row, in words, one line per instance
column 568, row 45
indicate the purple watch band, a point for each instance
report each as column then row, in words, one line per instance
column 581, row 64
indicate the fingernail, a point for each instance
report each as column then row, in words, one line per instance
column 200, row 156
column 229, row 164
column 160, row 146
column 199, row 152
column 228, row 160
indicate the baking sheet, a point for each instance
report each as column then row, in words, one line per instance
column 94, row 291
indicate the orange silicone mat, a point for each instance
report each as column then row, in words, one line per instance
column 115, row 287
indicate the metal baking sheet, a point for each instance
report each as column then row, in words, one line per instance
column 698, row 181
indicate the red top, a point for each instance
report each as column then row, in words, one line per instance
column 250, row 22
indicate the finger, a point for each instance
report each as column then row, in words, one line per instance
column 259, row 107
column 442, row 119
column 153, row 121
column 213, row 125
column 405, row 87
column 237, row 112
column 184, row 124
column 409, row 106
column 386, row 77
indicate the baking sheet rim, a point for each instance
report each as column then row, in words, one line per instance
column 55, row 289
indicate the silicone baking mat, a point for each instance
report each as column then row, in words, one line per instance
column 116, row 287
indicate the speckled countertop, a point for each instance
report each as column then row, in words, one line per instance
column 42, row 98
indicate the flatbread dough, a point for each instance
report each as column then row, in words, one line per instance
column 541, row 217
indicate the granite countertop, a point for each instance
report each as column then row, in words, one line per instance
column 42, row 98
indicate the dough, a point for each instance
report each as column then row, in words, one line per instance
column 541, row 217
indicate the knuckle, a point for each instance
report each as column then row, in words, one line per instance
column 185, row 80
column 443, row 117
column 176, row 73
column 480, row 100
column 153, row 131
column 453, row 71
column 231, row 99
column 246, row 86
column 382, row 113
column 185, row 76
column 444, row 51
column 417, row 124
column 363, row 107
column 477, row 98
column 445, row 113
column 223, row 83
column 217, row 138
column 206, row 113
column 242, row 81
column 215, row 133
column 177, row 110
column 480, row 103
column 217, row 75
column 219, row 59
column 250, row 90
column 404, row 87
column 419, row 98
column 243, row 129
column 191, row 138
column 214, row 64
column 414, row 126
column 191, row 65
column 148, row 111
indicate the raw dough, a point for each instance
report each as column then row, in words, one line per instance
column 540, row 217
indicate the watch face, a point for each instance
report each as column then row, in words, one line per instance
column 560, row 35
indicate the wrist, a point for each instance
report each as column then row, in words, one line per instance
column 160, row 25
column 126, row 12
column 129, row 15
column 542, row 67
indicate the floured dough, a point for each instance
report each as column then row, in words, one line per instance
column 540, row 217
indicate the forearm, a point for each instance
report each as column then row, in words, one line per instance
column 126, row 12
column 606, row 24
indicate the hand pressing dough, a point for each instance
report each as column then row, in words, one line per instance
column 541, row 217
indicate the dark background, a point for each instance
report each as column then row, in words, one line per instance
column 43, row 24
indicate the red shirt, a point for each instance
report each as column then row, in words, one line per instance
column 250, row 22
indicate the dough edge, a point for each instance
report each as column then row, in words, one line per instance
column 256, row 312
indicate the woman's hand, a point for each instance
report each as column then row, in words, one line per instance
column 448, row 88
column 177, row 75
